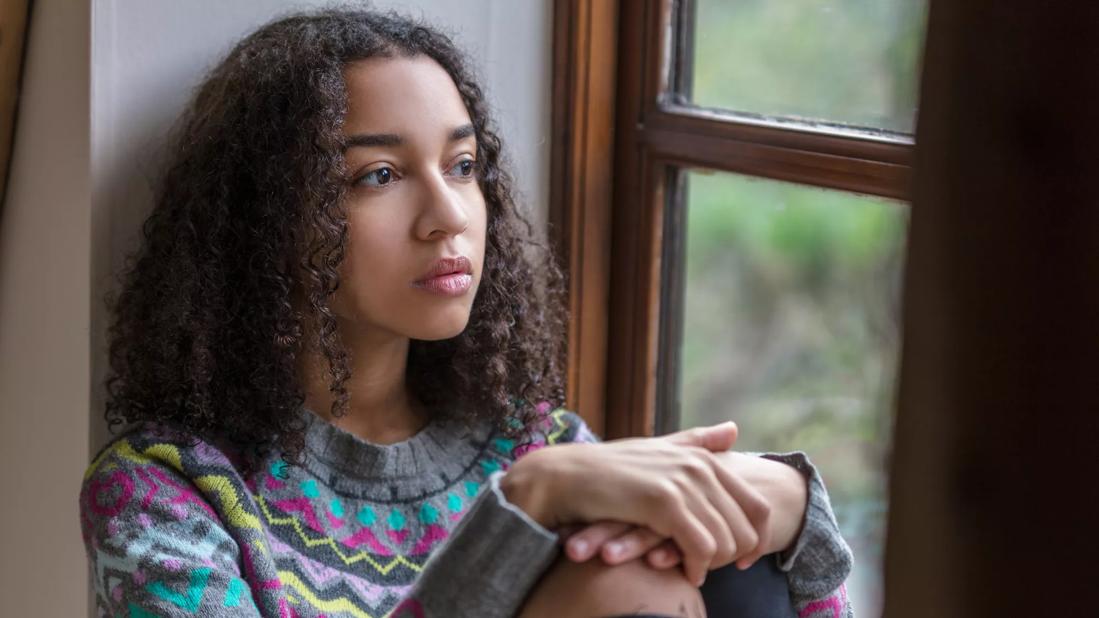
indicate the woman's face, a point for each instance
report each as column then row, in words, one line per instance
column 415, row 212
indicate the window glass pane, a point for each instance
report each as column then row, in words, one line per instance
column 790, row 328
column 852, row 62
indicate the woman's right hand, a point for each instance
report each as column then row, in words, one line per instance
column 672, row 485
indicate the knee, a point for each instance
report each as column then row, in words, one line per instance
column 594, row 589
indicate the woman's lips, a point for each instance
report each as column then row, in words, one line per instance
column 448, row 266
column 448, row 276
column 452, row 284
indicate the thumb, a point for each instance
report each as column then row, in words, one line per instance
column 716, row 438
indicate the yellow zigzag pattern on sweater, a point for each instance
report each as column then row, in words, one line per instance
column 341, row 604
column 562, row 427
column 238, row 516
column 165, row 453
column 235, row 513
column 384, row 569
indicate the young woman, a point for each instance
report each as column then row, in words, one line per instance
column 337, row 353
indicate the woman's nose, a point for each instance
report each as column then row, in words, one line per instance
column 443, row 210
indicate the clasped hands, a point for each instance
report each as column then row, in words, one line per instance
column 677, row 499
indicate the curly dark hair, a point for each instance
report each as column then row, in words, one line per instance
column 249, row 217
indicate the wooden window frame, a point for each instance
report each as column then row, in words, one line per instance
column 622, row 138
column 582, row 158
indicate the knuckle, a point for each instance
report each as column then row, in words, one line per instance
column 750, row 540
column 708, row 548
column 662, row 495
column 761, row 511
column 695, row 468
column 723, row 548
column 678, row 521
column 730, row 551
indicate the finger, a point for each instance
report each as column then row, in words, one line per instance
column 723, row 486
column 742, row 536
column 696, row 526
column 743, row 532
column 702, row 504
column 695, row 542
column 631, row 544
column 665, row 556
column 587, row 542
column 754, row 508
column 720, row 437
column 708, row 499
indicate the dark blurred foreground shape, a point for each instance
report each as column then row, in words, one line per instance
column 994, row 489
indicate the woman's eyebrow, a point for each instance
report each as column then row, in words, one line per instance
column 461, row 132
column 368, row 140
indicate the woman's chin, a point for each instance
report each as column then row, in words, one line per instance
column 441, row 329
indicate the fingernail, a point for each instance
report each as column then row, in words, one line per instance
column 660, row 555
column 580, row 547
column 614, row 549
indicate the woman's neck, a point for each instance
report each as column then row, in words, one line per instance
column 381, row 409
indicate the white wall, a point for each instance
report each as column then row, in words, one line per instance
column 45, row 295
column 103, row 81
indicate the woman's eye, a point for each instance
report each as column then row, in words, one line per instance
column 464, row 168
column 377, row 178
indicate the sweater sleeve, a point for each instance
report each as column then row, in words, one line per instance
column 154, row 546
column 496, row 550
column 820, row 560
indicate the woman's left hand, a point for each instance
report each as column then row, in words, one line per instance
column 782, row 486
column 616, row 542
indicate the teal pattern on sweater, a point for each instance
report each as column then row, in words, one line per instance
column 173, row 528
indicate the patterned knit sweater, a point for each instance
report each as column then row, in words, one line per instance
column 417, row 528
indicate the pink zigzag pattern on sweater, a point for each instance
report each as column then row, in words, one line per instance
column 321, row 574
column 434, row 534
column 366, row 536
column 147, row 499
column 836, row 603
column 301, row 505
column 186, row 495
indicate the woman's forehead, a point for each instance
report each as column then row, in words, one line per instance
column 402, row 96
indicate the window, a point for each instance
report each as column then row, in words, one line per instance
column 846, row 62
column 743, row 259
column 790, row 326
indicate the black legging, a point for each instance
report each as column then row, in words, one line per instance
column 759, row 592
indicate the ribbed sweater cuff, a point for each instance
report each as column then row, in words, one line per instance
column 820, row 558
column 490, row 563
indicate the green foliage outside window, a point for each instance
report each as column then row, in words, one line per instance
column 791, row 317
